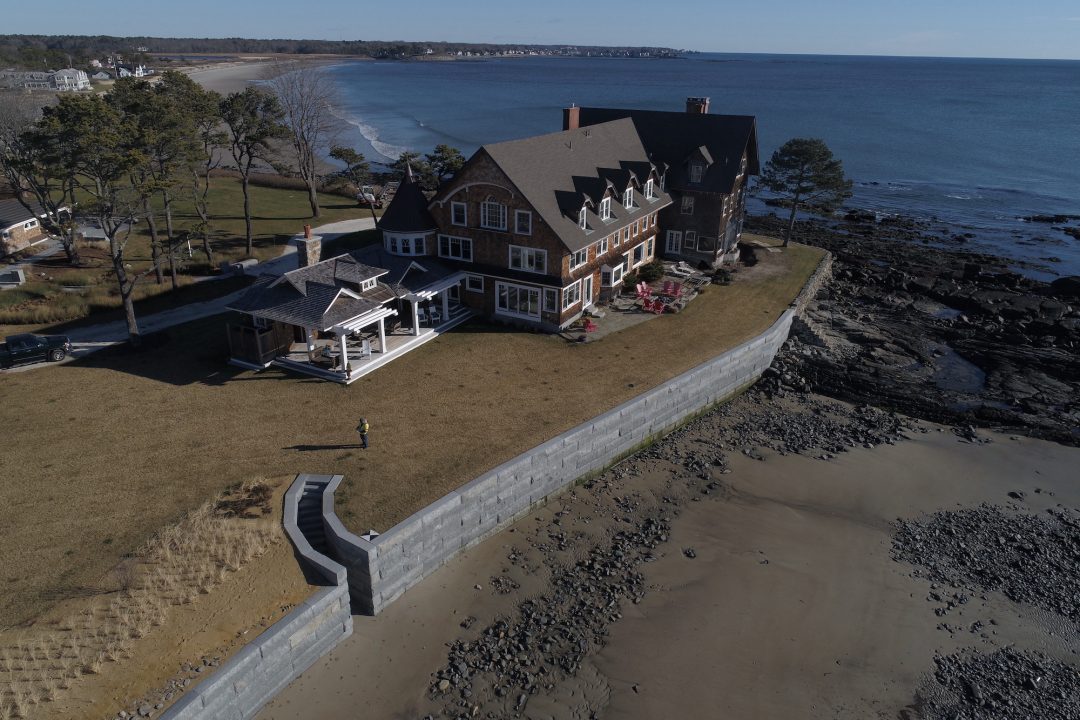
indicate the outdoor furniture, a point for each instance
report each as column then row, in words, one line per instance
column 680, row 270
column 669, row 286
column 654, row 306
column 421, row 315
column 590, row 326
column 435, row 314
column 643, row 290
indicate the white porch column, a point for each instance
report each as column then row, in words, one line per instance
column 344, row 353
column 445, row 304
column 415, row 319
column 310, row 343
column 382, row 335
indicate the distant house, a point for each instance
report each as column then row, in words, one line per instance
column 138, row 71
column 70, row 79
column 102, row 75
column 547, row 226
column 705, row 161
column 26, row 80
column 20, row 228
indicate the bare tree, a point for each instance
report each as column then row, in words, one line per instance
column 307, row 96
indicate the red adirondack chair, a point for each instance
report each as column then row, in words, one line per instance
column 643, row 291
column 590, row 326
column 669, row 286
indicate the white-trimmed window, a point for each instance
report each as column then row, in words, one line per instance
column 637, row 255
column 517, row 300
column 652, row 220
column 611, row 276
column 528, row 259
column 474, row 283
column 571, row 295
column 582, row 219
column 697, row 170
column 687, row 207
column 459, row 214
column 650, row 192
column 523, row 222
column 605, row 209
column 368, row 284
column 650, row 250
column 30, row 224
column 637, row 227
column 603, row 247
column 492, row 215
column 551, row 300
column 579, row 258
column 690, row 240
column 626, row 234
column 628, row 198
column 408, row 245
column 455, row 248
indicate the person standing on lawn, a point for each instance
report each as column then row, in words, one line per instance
column 363, row 428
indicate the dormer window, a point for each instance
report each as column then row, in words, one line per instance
column 582, row 220
column 650, row 193
column 367, row 285
column 696, row 171
column 605, row 209
column 492, row 215
column 628, row 198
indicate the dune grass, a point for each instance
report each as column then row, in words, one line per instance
column 103, row 451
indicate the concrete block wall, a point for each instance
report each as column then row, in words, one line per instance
column 242, row 685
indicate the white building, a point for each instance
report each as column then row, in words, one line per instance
column 70, row 79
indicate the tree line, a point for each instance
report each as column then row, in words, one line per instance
column 38, row 51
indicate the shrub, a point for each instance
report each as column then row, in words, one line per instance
column 651, row 272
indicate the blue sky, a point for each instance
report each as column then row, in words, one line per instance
column 972, row 28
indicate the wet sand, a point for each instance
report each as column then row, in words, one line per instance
column 791, row 607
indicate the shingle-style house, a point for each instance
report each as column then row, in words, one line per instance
column 546, row 226
column 19, row 228
column 344, row 317
column 70, row 80
column 704, row 161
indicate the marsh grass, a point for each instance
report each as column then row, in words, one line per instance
column 184, row 560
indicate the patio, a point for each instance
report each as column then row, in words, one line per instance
column 679, row 285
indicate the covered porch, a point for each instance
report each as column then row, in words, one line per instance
column 364, row 344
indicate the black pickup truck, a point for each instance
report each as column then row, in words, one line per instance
column 21, row 349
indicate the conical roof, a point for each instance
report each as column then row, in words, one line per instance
column 408, row 211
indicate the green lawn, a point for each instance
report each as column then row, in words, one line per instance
column 101, row 452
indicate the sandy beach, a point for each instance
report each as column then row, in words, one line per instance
column 774, row 596
column 229, row 77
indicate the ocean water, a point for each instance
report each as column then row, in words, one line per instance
column 974, row 145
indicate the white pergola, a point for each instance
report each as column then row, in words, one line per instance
column 430, row 293
column 343, row 330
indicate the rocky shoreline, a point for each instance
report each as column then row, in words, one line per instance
column 944, row 335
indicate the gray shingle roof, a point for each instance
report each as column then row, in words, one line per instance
column 672, row 137
column 313, row 296
column 12, row 212
column 559, row 172
column 408, row 211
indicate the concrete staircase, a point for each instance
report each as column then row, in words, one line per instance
column 309, row 516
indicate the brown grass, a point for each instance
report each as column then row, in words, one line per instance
column 40, row 664
column 108, row 449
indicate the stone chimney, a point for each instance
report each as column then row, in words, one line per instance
column 308, row 248
column 697, row 105
column 571, row 118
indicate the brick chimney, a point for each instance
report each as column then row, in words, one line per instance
column 571, row 118
column 308, row 248
column 697, row 105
